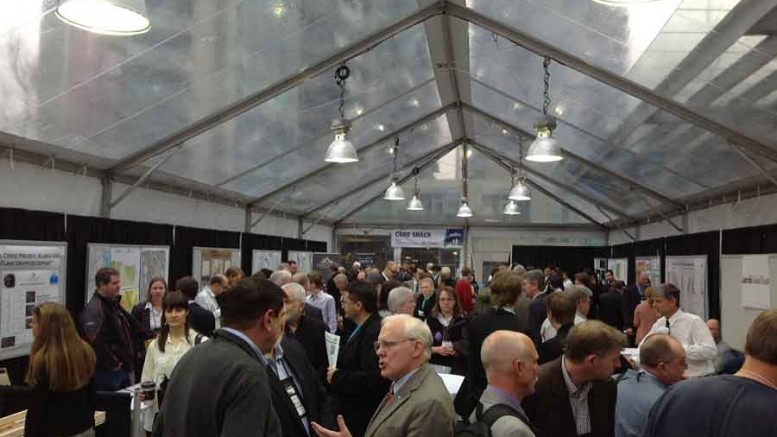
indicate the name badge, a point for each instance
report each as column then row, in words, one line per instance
column 296, row 400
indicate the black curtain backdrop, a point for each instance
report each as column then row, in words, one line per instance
column 84, row 230
column 253, row 242
column 188, row 238
column 20, row 224
column 755, row 240
column 571, row 259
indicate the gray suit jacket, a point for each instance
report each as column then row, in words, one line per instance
column 506, row 426
column 423, row 407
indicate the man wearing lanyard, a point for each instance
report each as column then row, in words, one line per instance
column 427, row 299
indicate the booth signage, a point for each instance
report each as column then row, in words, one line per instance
column 427, row 238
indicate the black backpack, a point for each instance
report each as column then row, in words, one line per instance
column 486, row 419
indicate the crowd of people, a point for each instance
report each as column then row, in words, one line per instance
column 540, row 353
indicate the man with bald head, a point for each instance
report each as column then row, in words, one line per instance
column 662, row 361
column 728, row 360
column 510, row 361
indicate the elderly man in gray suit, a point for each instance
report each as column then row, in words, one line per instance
column 417, row 404
column 510, row 361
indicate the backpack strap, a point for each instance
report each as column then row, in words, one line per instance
column 497, row 411
column 197, row 339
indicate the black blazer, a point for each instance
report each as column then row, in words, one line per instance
column 455, row 332
column 426, row 311
column 201, row 320
column 313, row 313
column 357, row 385
column 538, row 312
column 480, row 327
column 554, row 348
column 550, row 411
column 314, row 396
column 310, row 335
column 611, row 310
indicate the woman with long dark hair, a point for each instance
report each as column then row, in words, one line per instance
column 449, row 333
column 175, row 339
column 149, row 315
column 61, row 374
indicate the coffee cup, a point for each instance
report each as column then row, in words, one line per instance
column 148, row 388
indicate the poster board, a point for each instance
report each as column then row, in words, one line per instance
column 33, row 272
column 304, row 261
column 735, row 319
column 689, row 274
column 620, row 268
column 650, row 264
column 136, row 266
column 207, row 261
column 265, row 259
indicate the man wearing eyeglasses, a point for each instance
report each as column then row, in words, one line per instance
column 417, row 404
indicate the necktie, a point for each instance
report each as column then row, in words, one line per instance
column 668, row 327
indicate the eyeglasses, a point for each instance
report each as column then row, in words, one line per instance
column 386, row 344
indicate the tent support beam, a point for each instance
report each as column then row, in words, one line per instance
column 243, row 105
column 622, row 228
column 388, row 137
column 632, row 88
column 402, row 180
column 143, row 178
column 558, row 200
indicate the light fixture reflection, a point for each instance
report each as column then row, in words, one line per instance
column 106, row 17
column 520, row 192
column 415, row 204
column 512, row 208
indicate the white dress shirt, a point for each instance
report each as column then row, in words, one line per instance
column 207, row 299
column 547, row 331
column 692, row 332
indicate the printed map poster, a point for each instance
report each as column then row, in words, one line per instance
column 208, row 261
column 689, row 274
column 650, row 264
column 304, row 261
column 136, row 266
column 265, row 259
column 620, row 268
column 32, row 273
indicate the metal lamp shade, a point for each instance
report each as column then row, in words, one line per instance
column 106, row 17
column 394, row 192
column 415, row 204
column 544, row 149
column 512, row 208
column 464, row 210
column 520, row 192
column 341, row 150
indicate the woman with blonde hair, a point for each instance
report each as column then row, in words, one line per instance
column 61, row 375
column 645, row 316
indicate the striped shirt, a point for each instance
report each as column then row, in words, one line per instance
column 578, row 399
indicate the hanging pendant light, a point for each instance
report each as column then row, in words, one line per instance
column 394, row 191
column 415, row 203
column 341, row 150
column 520, row 192
column 545, row 148
column 106, row 17
column 512, row 208
column 464, row 209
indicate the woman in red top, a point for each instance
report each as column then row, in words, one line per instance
column 465, row 291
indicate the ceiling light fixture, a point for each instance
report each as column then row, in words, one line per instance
column 415, row 203
column 545, row 148
column 623, row 2
column 341, row 150
column 106, row 17
column 464, row 209
column 512, row 208
column 394, row 191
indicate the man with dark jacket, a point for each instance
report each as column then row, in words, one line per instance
column 533, row 286
column 611, row 308
column 309, row 332
column 220, row 388
column 111, row 331
column 200, row 319
column 561, row 315
column 575, row 394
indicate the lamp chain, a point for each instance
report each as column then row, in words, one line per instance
column 396, row 155
column 546, row 81
column 341, row 75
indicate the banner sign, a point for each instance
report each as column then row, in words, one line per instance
column 422, row 238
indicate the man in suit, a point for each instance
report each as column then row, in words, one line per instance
column 200, row 319
column 561, row 315
column 219, row 388
column 426, row 300
column 632, row 296
column 506, row 288
column 307, row 331
column 356, row 382
column 510, row 360
column 417, row 404
column 575, row 393
column 533, row 286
